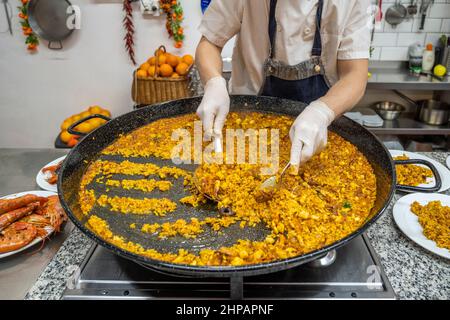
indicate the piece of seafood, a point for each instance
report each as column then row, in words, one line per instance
column 7, row 205
column 16, row 236
column 8, row 218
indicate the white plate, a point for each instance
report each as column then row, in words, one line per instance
column 40, row 178
column 443, row 171
column 48, row 229
column 408, row 222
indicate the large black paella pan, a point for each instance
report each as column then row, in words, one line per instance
column 89, row 149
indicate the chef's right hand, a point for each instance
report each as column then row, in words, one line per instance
column 214, row 107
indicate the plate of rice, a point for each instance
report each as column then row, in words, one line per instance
column 425, row 219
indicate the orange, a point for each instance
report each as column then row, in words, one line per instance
column 141, row 73
column 172, row 60
column 162, row 59
column 144, row 66
column 182, row 69
column 65, row 136
column 84, row 127
column 188, row 59
column 85, row 114
column 95, row 109
column 66, row 124
column 175, row 75
column 95, row 122
column 152, row 61
column 151, row 71
column 166, row 70
column 105, row 113
column 75, row 118
column 72, row 142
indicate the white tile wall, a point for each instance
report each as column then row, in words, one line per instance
column 391, row 43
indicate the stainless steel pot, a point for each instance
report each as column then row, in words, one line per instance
column 433, row 112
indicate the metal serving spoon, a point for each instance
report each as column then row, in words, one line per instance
column 267, row 187
column 226, row 211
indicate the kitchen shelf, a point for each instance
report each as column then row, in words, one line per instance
column 401, row 79
column 408, row 126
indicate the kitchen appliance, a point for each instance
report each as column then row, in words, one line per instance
column 150, row 7
column 49, row 20
column 88, row 149
column 388, row 110
column 396, row 14
column 423, row 11
column 430, row 111
column 356, row 273
column 7, row 7
column 433, row 112
column 412, row 8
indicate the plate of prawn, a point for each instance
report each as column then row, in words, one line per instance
column 47, row 177
column 27, row 218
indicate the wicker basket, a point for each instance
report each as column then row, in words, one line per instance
column 152, row 90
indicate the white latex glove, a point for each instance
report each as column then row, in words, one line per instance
column 213, row 109
column 309, row 132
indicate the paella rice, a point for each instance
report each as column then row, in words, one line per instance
column 435, row 221
column 146, row 185
column 331, row 197
column 411, row 174
column 158, row 207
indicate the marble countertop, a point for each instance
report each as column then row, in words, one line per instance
column 413, row 272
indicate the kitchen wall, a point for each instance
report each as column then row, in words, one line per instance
column 391, row 43
column 37, row 91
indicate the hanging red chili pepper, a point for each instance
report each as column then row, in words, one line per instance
column 129, row 29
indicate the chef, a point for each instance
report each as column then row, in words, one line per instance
column 313, row 51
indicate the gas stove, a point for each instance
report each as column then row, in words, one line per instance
column 350, row 272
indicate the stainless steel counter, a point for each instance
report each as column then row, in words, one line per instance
column 409, row 126
column 401, row 79
column 18, row 169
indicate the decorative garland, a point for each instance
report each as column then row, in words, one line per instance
column 129, row 28
column 31, row 40
column 174, row 13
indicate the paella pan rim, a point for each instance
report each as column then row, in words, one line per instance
column 224, row 271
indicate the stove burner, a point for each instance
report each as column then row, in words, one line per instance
column 326, row 261
column 345, row 274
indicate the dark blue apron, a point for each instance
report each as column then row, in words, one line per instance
column 305, row 81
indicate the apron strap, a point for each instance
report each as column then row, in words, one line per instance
column 272, row 27
column 317, row 46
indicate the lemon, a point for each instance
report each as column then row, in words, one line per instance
column 369, row 74
column 440, row 70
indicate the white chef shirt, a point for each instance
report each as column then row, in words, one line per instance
column 345, row 34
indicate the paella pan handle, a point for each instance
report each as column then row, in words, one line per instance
column 72, row 130
column 54, row 47
column 433, row 169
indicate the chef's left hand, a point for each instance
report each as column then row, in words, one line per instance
column 309, row 132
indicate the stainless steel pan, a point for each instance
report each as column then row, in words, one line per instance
column 49, row 20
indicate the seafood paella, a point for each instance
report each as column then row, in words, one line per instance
column 331, row 197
